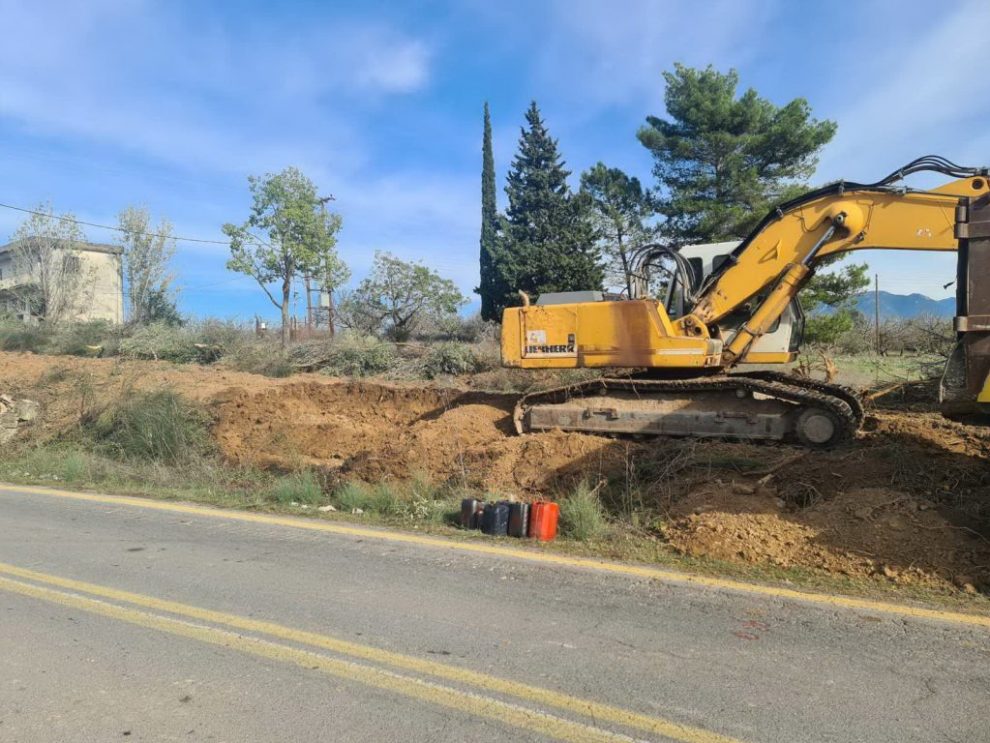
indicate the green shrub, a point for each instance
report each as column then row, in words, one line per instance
column 450, row 358
column 475, row 330
column 299, row 487
column 159, row 342
column 81, row 338
column 154, row 426
column 222, row 334
column 352, row 355
column 581, row 515
column 258, row 357
column 19, row 336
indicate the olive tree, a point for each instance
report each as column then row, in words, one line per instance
column 397, row 296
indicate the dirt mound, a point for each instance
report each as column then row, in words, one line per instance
column 379, row 432
column 863, row 532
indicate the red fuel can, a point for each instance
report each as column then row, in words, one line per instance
column 543, row 517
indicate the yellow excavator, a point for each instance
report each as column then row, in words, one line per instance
column 725, row 307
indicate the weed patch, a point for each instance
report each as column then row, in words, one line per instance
column 353, row 355
column 299, row 487
column 154, row 426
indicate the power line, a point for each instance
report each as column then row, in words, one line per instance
column 111, row 227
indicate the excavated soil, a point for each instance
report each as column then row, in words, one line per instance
column 908, row 501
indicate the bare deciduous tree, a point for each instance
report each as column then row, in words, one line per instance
column 147, row 254
column 46, row 254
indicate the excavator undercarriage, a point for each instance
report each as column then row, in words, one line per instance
column 754, row 406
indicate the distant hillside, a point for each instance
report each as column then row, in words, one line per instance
column 906, row 305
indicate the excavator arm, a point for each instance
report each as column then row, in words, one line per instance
column 781, row 254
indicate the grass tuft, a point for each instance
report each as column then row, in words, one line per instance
column 299, row 487
column 581, row 515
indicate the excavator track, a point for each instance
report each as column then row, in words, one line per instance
column 846, row 394
column 737, row 406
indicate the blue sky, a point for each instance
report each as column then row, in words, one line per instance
column 172, row 104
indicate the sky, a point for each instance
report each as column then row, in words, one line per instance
column 171, row 105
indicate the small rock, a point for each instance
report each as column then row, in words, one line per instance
column 327, row 508
column 357, row 511
column 741, row 488
column 890, row 572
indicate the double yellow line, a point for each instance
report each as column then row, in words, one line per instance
column 224, row 629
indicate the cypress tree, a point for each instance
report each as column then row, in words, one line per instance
column 489, row 227
column 548, row 241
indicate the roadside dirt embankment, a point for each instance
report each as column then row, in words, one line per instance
column 908, row 501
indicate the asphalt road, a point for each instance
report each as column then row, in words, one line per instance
column 123, row 622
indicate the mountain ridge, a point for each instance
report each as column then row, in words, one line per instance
column 905, row 305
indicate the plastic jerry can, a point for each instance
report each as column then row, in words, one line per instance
column 495, row 520
column 543, row 517
column 518, row 519
column 479, row 511
column 468, row 508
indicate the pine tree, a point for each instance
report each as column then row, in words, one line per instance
column 722, row 160
column 548, row 242
column 489, row 226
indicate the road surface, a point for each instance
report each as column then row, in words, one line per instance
column 137, row 620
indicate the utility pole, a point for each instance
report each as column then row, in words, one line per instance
column 876, row 308
column 309, row 303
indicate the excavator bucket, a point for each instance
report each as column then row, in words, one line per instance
column 965, row 385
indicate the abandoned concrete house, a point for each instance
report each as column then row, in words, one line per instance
column 96, row 287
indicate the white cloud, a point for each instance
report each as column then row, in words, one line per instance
column 143, row 77
column 390, row 64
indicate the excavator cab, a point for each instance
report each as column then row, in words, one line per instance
column 779, row 345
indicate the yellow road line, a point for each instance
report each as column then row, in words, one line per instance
column 533, row 694
column 637, row 571
column 426, row 691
